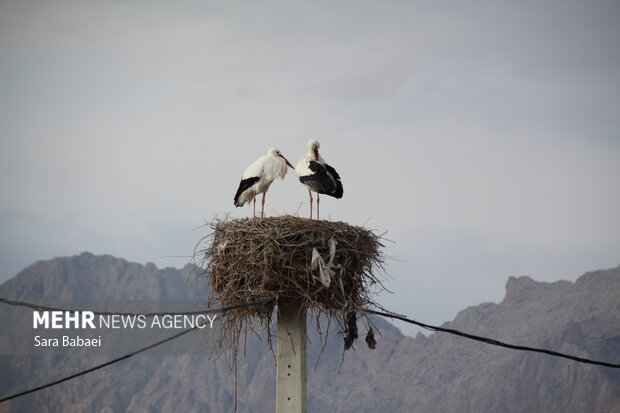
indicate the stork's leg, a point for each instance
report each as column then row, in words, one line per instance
column 254, row 203
column 318, row 210
column 310, row 193
column 262, row 207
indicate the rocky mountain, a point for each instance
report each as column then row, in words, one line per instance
column 438, row 373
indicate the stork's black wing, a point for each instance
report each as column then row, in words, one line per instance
column 338, row 190
column 243, row 185
column 324, row 180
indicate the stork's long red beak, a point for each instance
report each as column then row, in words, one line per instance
column 316, row 154
column 287, row 162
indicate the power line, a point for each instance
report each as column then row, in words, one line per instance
column 126, row 356
column 491, row 341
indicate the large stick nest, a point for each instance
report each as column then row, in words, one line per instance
column 270, row 259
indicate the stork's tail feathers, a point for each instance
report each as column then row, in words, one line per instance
column 339, row 189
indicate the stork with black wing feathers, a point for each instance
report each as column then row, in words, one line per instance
column 318, row 176
column 258, row 177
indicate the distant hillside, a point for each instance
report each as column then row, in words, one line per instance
column 438, row 373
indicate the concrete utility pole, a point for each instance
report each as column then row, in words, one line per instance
column 291, row 363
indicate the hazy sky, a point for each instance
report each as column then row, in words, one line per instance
column 483, row 136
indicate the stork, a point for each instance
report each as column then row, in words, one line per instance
column 318, row 176
column 258, row 177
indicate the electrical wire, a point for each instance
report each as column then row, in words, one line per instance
column 490, row 340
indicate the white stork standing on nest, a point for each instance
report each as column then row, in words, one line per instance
column 318, row 176
column 258, row 177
